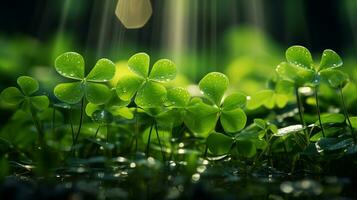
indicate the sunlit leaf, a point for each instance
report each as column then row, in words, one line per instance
column 330, row 59
column 151, row 95
column 201, row 118
column 233, row 120
column 139, row 64
column 299, row 55
column 260, row 123
column 163, row 70
column 178, row 97
column 97, row 93
column 214, row 85
column 259, row 99
column 70, row 93
column 127, row 86
column 122, row 111
column 90, row 108
column 70, row 65
column 219, row 144
column 353, row 122
column 293, row 73
column 103, row 71
column 28, row 85
column 235, row 100
column 331, row 118
column 336, row 78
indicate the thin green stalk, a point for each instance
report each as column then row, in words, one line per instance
column 38, row 128
column 80, row 125
column 149, row 140
column 158, row 139
column 96, row 132
column 346, row 115
column 72, row 129
column 318, row 110
column 53, row 121
column 301, row 111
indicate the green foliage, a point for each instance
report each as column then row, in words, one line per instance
column 25, row 96
column 140, row 108
column 147, row 86
column 71, row 65
column 228, row 110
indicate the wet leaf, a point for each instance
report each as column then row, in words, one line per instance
column 259, row 99
column 127, row 87
column 151, row 95
column 163, row 70
column 330, row 59
column 28, row 85
column 178, row 97
column 299, row 55
column 70, row 93
column 70, row 65
column 139, row 64
column 336, row 78
column 295, row 74
column 233, row 120
column 200, row 117
column 102, row 117
column 97, row 93
column 103, row 71
column 233, row 101
column 289, row 130
column 213, row 86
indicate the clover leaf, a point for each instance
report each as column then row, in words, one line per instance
column 219, row 144
column 202, row 117
column 71, row 65
column 25, row 95
column 146, row 84
column 113, row 107
column 336, row 78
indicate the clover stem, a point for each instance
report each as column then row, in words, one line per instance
column 80, row 123
column 149, row 139
column 158, row 139
column 346, row 115
column 72, row 129
column 38, row 128
column 53, row 121
column 318, row 110
column 301, row 111
column 96, row 132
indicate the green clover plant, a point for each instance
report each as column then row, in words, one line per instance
column 301, row 70
column 25, row 98
column 202, row 114
column 146, row 84
column 71, row 65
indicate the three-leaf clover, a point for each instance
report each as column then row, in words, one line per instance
column 300, row 67
column 103, row 114
column 201, row 117
column 25, row 96
column 146, row 85
column 175, row 105
column 71, row 65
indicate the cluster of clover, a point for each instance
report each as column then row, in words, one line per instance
column 144, row 88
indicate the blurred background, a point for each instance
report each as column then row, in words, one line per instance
column 245, row 39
